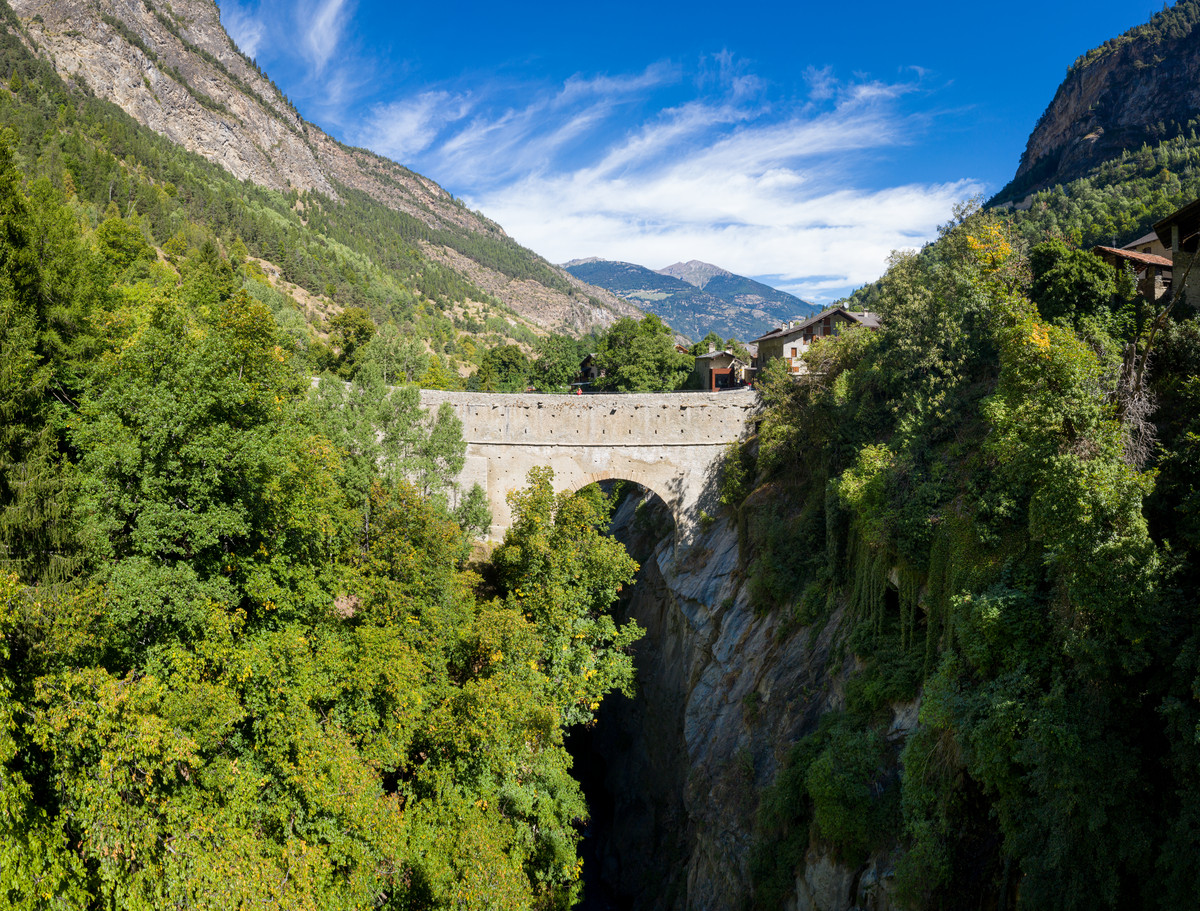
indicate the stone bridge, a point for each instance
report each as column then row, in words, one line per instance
column 670, row 444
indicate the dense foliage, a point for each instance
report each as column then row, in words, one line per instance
column 640, row 356
column 1171, row 23
column 973, row 501
column 1121, row 199
column 244, row 658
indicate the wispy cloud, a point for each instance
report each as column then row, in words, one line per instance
column 311, row 46
column 405, row 128
column 655, row 167
column 326, row 23
column 677, row 160
column 247, row 30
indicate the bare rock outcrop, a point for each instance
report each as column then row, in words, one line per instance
column 1143, row 87
column 723, row 693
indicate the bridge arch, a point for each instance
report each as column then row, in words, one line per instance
column 670, row 444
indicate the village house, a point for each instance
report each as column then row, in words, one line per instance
column 1153, row 271
column 1163, row 258
column 1149, row 243
column 715, row 370
column 1179, row 232
column 793, row 339
column 589, row 370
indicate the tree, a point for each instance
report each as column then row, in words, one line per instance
column 351, row 330
column 400, row 354
column 204, row 479
column 557, row 363
column 504, row 368
column 50, row 287
column 558, row 568
column 641, row 357
column 711, row 340
column 384, row 435
column 121, row 243
column 473, row 514
column 1068, row 284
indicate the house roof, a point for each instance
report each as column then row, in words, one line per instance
column 708, row 354
column 1141, row 259
column 870, row 320
column 1150, row 238
column 1188, row 220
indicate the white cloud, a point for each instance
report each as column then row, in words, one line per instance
column 247, row 31
column 640, row 168
column 323, row 31
column 404, row 128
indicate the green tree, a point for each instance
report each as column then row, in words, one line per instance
column 205, row 480
column 121, row 243
column 399, row 352
column 473, row 513
column 504, row 368
column 51, row 286
column 641, row 357
column 560, row 570
column 351, row 330
column 1068, row 284
column 557, row 363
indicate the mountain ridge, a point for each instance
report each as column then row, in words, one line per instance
column 1142, row 87
column 694, row 297
column 175, row 70
column 695, row 272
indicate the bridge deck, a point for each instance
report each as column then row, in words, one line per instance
column 669, row 443
column 656, row 419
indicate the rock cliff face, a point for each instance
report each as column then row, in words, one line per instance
column 174, row 69
column 722, row 695
column 1143, row 87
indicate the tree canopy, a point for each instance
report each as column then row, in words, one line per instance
column 243, row 658
column 640, row 356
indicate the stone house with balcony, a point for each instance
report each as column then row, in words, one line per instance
column 1179, row 233
column 1153, row 271
column 793, row 339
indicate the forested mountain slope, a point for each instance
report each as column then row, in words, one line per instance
column 173, row 68
column 244, row 658
column 989, row 506
column 1139, row 88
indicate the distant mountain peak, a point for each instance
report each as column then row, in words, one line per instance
column 695, row 298
column 694, row 272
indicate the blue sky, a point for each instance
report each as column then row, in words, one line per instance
column 799, row 143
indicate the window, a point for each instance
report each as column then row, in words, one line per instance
column 793, row 352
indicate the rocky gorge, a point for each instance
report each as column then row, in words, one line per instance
column 723, row 692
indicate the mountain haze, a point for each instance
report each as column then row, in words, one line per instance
column 696, row 297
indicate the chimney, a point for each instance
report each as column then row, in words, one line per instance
column 712, row 349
